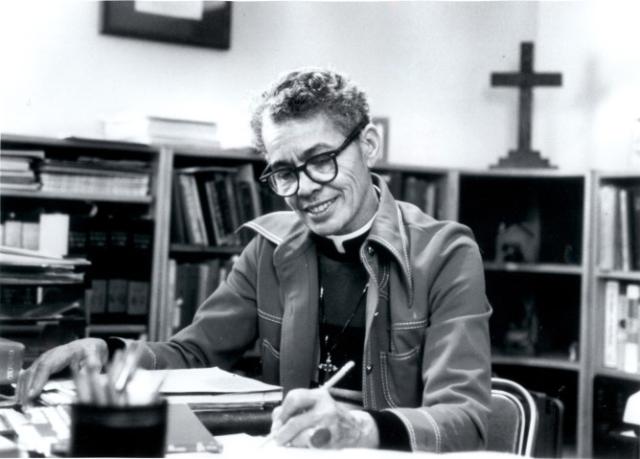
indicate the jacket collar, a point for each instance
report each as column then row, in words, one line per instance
column 290, row 235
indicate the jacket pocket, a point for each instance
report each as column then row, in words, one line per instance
column 401, row 378
column 270, row 363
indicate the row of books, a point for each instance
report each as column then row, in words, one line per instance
column 619, row 228
column 118, row 247
column 47, row 233
column 120, row 251
column 96, row 176
column 31, row 170
column 622, row 326
column 210, row 203
column 422, row 192
column 190, row 284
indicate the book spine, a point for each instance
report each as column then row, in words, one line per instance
column 141, row 245
column 624, row 230
column 631, row 354
column 611, row 324
column 193, row 210
column 12, row 232
column 607, row 227
column 215, row 211
column 635, row 225
column 54, row 234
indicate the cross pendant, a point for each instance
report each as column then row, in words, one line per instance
column 327, row 368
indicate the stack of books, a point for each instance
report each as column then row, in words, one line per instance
column 162, row 130
column 96, row 176
column 37, row 285
column 17, row 171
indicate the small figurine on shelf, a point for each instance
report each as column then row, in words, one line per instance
column 519, row 241
column 522, row 336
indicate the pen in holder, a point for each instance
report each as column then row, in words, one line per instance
column 118, row 431
column 112, row 418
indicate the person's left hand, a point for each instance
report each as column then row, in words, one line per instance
column 310, row 418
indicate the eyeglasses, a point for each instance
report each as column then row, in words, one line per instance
column 321, row 168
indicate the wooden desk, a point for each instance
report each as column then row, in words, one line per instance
column 252, row 422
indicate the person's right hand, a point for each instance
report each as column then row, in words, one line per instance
column 76, row 354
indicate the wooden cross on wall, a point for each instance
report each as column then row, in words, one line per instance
column 526, row 79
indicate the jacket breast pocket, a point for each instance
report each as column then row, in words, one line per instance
column 402, row 378
column 270, row 363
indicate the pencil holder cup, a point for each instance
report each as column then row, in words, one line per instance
column 118, row 431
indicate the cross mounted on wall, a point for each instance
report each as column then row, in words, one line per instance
column 525, row 80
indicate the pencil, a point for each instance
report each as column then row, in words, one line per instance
column 335, row 379
column 332, row 381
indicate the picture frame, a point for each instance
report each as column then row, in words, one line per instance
column 382, row 123
column 209, row 29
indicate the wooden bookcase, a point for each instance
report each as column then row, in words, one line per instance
column 547, row 328
column 89, row 205
column 617, row 375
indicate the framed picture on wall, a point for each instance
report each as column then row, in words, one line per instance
column 197, row 23
column 382, row 123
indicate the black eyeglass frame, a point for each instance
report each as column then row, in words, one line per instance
column 353, row 135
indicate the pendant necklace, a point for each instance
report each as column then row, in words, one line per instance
column 328, row 368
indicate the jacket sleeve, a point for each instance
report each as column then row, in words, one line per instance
column 223, row 328
column 456, row 366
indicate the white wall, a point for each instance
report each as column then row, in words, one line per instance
column 426, row 66
column 596, row 116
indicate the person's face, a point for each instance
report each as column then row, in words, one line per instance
column 346, row 203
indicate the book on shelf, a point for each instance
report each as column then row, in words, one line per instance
column 90, row 175
column 141, row 246
column 194, row 217
column 54, row 233
column 212, row 202
column 121, row 251
column 421, row 192
column 622, row 326
column 17, row 169
column 191, row 284
column 619, row 227
column 165, row 130
column 634, row 226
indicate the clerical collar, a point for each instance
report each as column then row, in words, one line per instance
column 340, row 239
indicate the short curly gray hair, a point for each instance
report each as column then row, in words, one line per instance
column 305, row 93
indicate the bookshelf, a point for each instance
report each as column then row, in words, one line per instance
column 190, row 268
column 533, row 232
column 549, row 308
column 92, row 200
column 615, row 288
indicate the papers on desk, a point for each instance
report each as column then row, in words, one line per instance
column 208, row 389
column 214, row 389
column 208, row 381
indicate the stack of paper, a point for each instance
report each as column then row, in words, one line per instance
column 162, row 130
column 215, row 389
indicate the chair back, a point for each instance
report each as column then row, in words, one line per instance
column 513, row 419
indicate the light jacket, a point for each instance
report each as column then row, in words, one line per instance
column 426, row 351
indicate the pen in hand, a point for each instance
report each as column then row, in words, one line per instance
column 335, row 379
